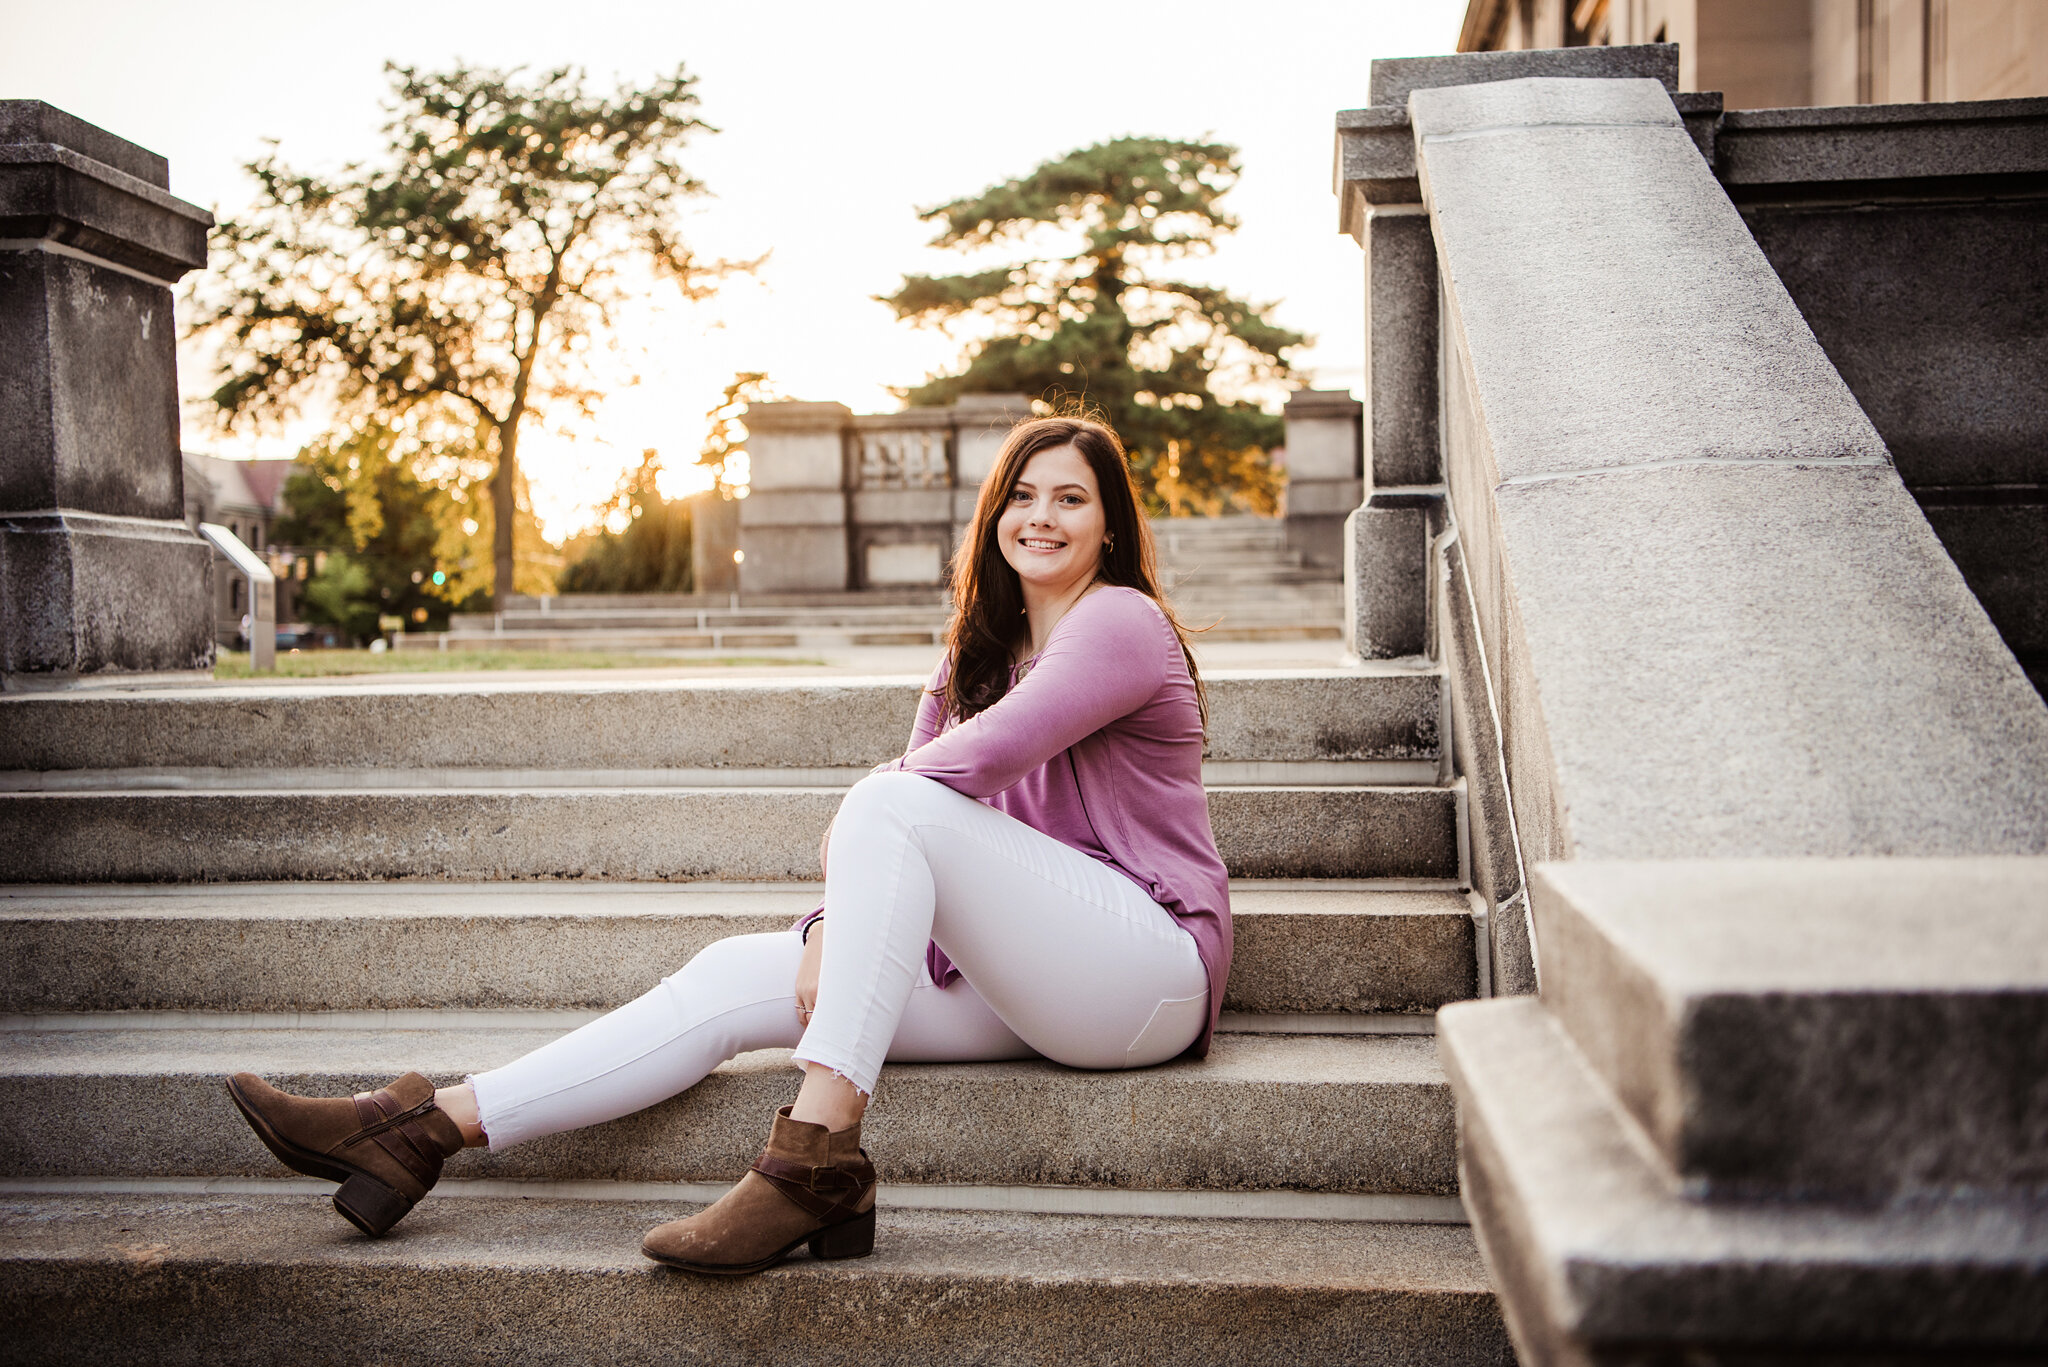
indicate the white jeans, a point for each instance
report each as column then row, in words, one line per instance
column 1062, row 956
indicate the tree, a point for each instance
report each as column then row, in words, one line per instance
column 385, row 530
column 467, row 272
column 725, row 440
column 1090, row 319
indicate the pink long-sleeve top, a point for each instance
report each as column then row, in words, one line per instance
column 1098, row 744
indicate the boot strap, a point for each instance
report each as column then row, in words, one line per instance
column 826, row 1192
column 399, row 1133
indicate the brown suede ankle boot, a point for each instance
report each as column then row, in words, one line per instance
column 385, row 1147
column 809, row 1184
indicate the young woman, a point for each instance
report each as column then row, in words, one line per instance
column 1034, row 877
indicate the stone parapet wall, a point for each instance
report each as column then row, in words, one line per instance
column 1698, row 631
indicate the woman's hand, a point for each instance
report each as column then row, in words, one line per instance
column 807, row 974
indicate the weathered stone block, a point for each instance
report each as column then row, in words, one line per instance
column 1936, row 315
column 1401, row 349
column 1598, row 1260
column 88, row 390
column 1861, row 1028
column 1768, row 660
column 1395, row 78
column 714, row 536
column 797, row 445
column 237, row 1281
column 98, row 570
column 2002, row 551
column 876, row 507
column 58, row 187
column 793, row 508
column 792, row 557
column 82, row 595
column 1323, row 435
column 1769, row 147
column 1386, row 579
column 1375, row 164
column 982, row 423
column 1682, row 343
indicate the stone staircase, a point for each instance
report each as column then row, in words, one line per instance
column 332, row 884
column 1235, row 576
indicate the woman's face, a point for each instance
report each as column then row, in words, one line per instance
column 1053, row 527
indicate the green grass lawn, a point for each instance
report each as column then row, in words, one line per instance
column 320, row 664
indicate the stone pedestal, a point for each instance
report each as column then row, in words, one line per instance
column 98, row 571
column 981, row 424
column 714, row 536
column 793, row 524
column 1324, row 471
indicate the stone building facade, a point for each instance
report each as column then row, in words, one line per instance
column 1782, row 54
column 245, row 496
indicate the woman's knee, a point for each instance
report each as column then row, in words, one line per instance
column 742, row 961
column 890, row 795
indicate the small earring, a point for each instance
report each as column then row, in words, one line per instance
column 1110, row 544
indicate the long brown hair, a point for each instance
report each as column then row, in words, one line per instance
column 988, row 601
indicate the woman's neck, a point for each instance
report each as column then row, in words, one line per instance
column 1043, row 609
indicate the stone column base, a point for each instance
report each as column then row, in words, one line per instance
column 1386, row 575
column 83, row 594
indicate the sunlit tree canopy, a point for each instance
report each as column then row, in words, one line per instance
column 469, row 270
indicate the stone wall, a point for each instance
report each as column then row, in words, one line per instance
column 1912, row 239
column 842, row 502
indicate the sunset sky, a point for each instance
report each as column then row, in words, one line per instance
column 840, row 121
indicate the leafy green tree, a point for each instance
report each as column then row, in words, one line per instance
column 462, row 277
column 1086, row 315
column 360, row 499
column 341, row 594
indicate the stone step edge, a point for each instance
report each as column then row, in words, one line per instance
column 1372, row 773
column 1232, row 1022
column 1350, row 1207
column 602, row 888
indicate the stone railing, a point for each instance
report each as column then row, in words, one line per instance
column 1757, row 790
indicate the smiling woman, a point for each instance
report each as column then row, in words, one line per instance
column 1035, row 877
column 1058, row 517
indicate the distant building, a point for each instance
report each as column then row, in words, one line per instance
column 246, row 497
column 1799, row 53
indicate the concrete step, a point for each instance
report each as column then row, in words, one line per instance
column 242, row 1279
column 1315, row 716
column 1223, row 590
column 620, row 833
column 1232, row 626
column 586, row 946
column 1333, row 1114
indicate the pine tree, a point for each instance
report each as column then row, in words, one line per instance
column 1086, row 317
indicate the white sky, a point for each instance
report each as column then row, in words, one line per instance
column 840, row 121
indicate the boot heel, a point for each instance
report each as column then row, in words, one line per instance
column 369, row 1205
column 854, row 1239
